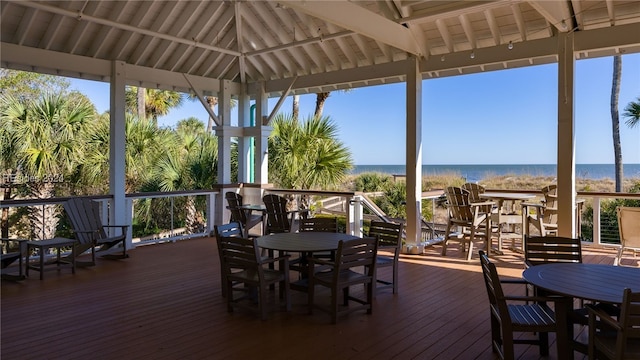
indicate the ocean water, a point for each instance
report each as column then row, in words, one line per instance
column 475, row 173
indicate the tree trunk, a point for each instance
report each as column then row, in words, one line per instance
column 212, row 101
column 320, row 99
column 296, row 107
column 43, row 218
column 615, row 120
column 4, row 232
column 141, row 102
column 193, row 223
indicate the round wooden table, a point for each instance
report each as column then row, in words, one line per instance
column 596, row 282
column 303, row 242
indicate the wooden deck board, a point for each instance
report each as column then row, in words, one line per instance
column 164, row 302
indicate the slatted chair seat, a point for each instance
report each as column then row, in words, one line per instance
column 90, row 233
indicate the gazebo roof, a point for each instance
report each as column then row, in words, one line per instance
column 311, row 46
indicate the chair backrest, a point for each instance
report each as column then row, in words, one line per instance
column 546, row 249
column 550, row 211
column 629, row 317
column 231, row 229
column 239, row 254
column 629, row 226
column 389, row 234
column 234, row 201
column 494, row 287
column 84, row 215
column 319, row 224
column 277, row 216
column 474, row 191
column 458, row 204
column 356, row 253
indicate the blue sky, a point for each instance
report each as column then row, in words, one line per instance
column 498, row 117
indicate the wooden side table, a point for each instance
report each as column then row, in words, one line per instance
column 43, row 246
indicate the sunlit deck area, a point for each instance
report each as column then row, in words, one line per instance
column 165, row 302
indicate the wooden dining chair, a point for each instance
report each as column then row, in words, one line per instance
column 389, row 237
column 616, row 339
column 521, row 314
column 232, row 229
column 343, row 273
column 244, row 268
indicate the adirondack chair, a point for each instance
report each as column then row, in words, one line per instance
column 84, row 215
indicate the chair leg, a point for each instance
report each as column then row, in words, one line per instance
column 395, row 278
column 370, row 291
column 544, row 343
column 262, row 305
column 334, row 305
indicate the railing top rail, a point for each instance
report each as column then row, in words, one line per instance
column 312, row 192
column 160, row 194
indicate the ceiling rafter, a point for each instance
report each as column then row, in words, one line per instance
column 287, row 18
column 228, row 39
column 198, row 31
column 23, row 29
column 493, row 26
column 517, row 14
column 179, row 27
column 344, row 47
column 267, row 39
column 353, row 17
column 464, row 8
column 312, row 48
column 610, row 12
column 159, row 25
column 555, row 12
column 403, row 12
column 266, row 15
column 54, row 29
column 445, row 34
column 468, row 30
column 129, row 38
column 224, row 21
column 240, row 36
column 101, row 39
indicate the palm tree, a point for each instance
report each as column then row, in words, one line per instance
column 190, row 164
column 307, row 155
column 156, row 102
column 321, row 98
column 46, row 138
column 615, row 120
column 632, row 113
column 145, row 143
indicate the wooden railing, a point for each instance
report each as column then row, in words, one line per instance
column 603, row 230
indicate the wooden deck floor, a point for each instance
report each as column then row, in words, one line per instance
column 164, row 302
